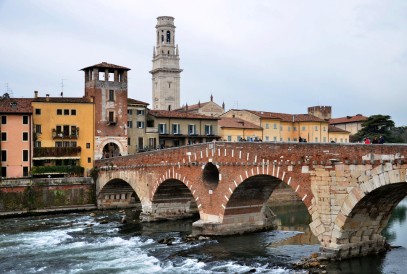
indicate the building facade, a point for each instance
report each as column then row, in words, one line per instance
column 63, row 135
column 286, row 127
column 141, row 137
column 106, row 85
column 179, row 129
column 166, row 73
column 16, row 137
column 349, row 123
column 236, row 130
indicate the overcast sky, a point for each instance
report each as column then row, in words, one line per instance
column 279, row 56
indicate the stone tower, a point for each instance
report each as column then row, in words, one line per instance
column 166, row 71
column 322, row 112
column 106, row 85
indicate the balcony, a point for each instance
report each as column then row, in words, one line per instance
column 151, row 129
column 56, row 152
column 74, row 135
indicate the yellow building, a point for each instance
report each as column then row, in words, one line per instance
column 338, row 135
column 235, row 130
column 63, row 135
column 287, row 127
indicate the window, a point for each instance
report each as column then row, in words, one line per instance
column 111, row 95
column 111, row 77
column 66, row 111
column 25, row 136
column 73, row 112
column 281, row 128
column 58, row 144
column 25, row 155
column 130, row 124
column 168, row 36
column 316, row 128
column 89, row 160
column 38, row 111
column 87, row 145
column 129, row 112
column 37, row 144
column 38, row 129
column 152, row 142
column 59, row 111
column 324, row 139
column 65, row 130
column 341, row 140
column 3, row 120
column 294, row 128
column 238, row 138
column 229, row 138
column 25, row 171
column 4, row 136
column 140, row 124
column 303, row 128
column 324, row 128
column 192, row 129
column 101, row 75
column 74, row 131
column 275, row 139
column 129, row 141
column 275, row 126
column 267, row 126
column 3, row 171
column 295, row 139
column 4, row 155
column 267, row 138
column 208, row 130
column 281, row 139
column 289, row 139
column 162, row 128
column 346, row 140
column 175, row 129
column 111, row 116
column 73, row 144
column 140, row 112
column 25, row 120
column 289, row 128
column 316, row 139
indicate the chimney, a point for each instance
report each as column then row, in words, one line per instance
column 223, row 106
column 211, row 98
column 47, row 99
column 186, row 107
column 35, row 93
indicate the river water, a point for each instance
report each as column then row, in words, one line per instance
column 81, row 243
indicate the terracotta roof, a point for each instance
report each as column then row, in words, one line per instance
column 348, row 119
column 136, row 102
column 192, row 107
column 336, row 129
column 229, row 122
column 106, row 65
column 15, row 105
column 62, row 100
column 287, row 117
column 180, row 115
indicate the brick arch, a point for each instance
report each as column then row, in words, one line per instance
column 365, row 212
column 111, row 140
column 289, row 178
column 117, row 192
column 178, row 177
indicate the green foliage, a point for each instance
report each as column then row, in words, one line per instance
column 76, row 170
column 375, row 126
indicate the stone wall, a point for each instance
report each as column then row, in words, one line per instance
column 42, row 194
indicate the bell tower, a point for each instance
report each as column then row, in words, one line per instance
column 166, row 72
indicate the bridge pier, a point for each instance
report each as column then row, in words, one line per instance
column 235, row 224
column 166, row 211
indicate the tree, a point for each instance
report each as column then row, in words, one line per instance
column 376, row 126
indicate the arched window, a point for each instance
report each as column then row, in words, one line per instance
column 168, row 36
column 162, row 38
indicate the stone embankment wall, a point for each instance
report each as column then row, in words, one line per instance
column 22, row 196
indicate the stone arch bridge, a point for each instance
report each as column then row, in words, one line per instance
column 350, row 190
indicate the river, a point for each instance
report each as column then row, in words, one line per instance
column 81, row 243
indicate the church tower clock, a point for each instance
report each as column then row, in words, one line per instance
column 166, row 72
